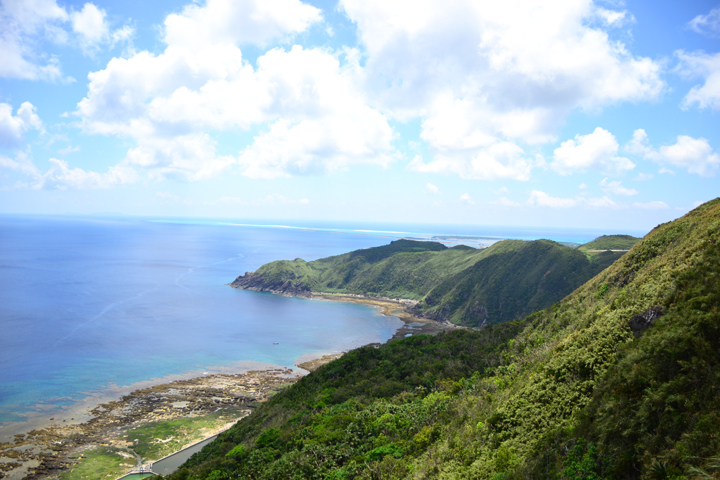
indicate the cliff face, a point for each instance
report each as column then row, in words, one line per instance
column 258, row 283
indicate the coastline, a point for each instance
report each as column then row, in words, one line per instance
column 43, row 450
column 392, row 307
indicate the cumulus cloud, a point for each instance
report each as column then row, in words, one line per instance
column 465, row 198
column 481, row 74
column 90, row 25
column 708, row 24
column 60, row 176
column 228, row 22
column 184, row 156
column 21, row 163
column 26, row 25
column 541, row 199
column 502, row 160
column 595, row 150
column 694, row 154
column 12, row 127
column 616, row 188
column 706, row 67
column 314, row 116
column 23, row 23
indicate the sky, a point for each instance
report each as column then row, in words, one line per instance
column 570, row 113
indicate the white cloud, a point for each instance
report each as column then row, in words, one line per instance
column 657, row 205
column 185, row 156
column 431, row 189
column 500, row 160
column 229, row 22
column 595, row 150
column 616, row 188
column 582, row 186
column 61, row 177
column 12, row 127
column 21, row 163
column 316, row 119
column 465, row 197
column 27, row 24
column 89, row 23
column 24, row 22
column 707, row 24
column 480, row 74
column 694, row 154
column 707, row 67
column 542, row 199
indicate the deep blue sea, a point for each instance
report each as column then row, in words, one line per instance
column 89, row 303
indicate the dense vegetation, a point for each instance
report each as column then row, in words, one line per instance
column 570, row 392
column 466, row 286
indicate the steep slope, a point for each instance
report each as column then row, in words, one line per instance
column 618, row 380
column 461, row 284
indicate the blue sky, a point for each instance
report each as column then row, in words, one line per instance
column 569, row 113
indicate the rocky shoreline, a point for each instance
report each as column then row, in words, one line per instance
column 45, row 453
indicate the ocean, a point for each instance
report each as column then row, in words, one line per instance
column 89, row 305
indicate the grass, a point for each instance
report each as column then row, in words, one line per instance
column 158, row 439
column 151, row 441
column 100, row 463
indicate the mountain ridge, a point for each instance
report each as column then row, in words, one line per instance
column 461, row 285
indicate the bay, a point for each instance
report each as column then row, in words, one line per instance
column 88, row 304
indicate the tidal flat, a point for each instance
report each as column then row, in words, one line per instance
column 140, row 427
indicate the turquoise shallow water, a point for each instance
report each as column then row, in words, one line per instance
column 87, row 303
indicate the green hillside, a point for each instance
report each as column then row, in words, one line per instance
column 621, row 379
column 610, row 242
column 463, row 285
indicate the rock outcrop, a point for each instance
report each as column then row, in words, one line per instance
column 258, row 283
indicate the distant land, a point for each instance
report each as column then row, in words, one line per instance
column 462, row 285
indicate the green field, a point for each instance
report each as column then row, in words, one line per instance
column 155, row 440
column 100, row 463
